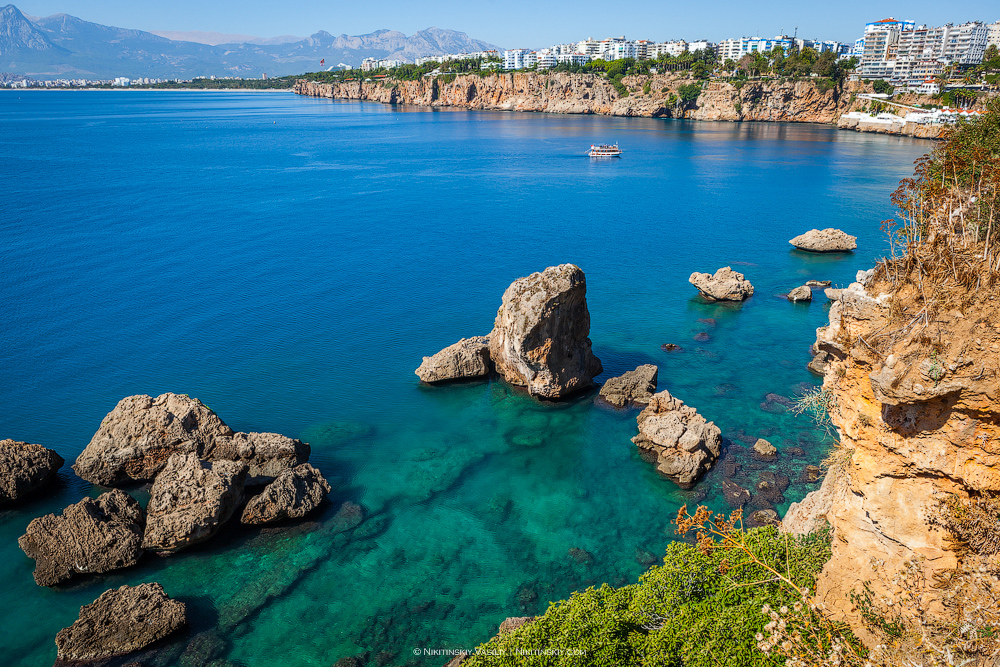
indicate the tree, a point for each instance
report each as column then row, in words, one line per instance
column 882, row 87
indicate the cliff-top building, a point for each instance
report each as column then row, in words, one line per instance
column 905, row 54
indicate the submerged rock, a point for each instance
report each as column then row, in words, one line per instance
column 266, row 455
column 119, row 622
column 825, row 240
column 763, row 517
column 764, row 450
column 724, row 285
column 633, row 387
column 25, row 468
column 539, row 339
column 802, row 293
column 686, row 445
column 141, row 433
column 468, row 358
column 735, row 494
column 91, row 536
column 190, row 500
column 292, row 495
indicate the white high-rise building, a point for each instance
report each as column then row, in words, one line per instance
column 993, row 35
column 518, row 59
column 905, row 54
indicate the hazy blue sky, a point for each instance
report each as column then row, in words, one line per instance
column 519, row 23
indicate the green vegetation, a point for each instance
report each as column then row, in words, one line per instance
column 795, row 64
column 705, row 606
column 882, row 87
column 689, row 92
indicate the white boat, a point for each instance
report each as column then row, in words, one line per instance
column 604, row 150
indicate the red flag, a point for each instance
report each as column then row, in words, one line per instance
column 323, row 61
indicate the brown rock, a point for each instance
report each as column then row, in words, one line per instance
column 190, row 500
column 539, row 339
column 141, row 433
column 764, row 450
column 802, row 293
column 685, row 444
column 119, row 622
column 633, row 387
column 92, row 536
column 266, row 455
column 735, row 494
column 724, row 285
column 825, row 240
column 513, row 623
column 24, row 468
column 468, row 358
column 292, row 495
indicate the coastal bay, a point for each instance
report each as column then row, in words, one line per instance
column 288, row 260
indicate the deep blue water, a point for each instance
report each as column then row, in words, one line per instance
column 289, row 260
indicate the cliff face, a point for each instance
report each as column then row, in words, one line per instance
column 916, row 401
column 802, row 101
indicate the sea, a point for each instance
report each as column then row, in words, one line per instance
column 290, row 260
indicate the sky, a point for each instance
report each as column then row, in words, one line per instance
column 520, row 23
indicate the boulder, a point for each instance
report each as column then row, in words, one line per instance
column 91, row 536
column 818, row 283
column 25, row 468
column 685, row 444
column 764, row 517
column 825, row 240
column 633, row 387
column 735, row 494
column 292, row 495
column 764, row 450
column 468, row 358
column 141, row 433
column 119, row 622
column 266, row 455
column 513, row 623
column 190, row 500
column 539, row 339
column 724, row 285
column 802, row 293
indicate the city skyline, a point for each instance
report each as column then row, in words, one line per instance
column 549, row 23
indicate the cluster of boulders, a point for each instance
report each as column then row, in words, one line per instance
column 202, row 476
column 539, row 339
column 724, row 285
column 683, row 444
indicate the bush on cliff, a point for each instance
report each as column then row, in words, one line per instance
column 701, row 608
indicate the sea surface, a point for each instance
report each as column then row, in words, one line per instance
column 289, row 261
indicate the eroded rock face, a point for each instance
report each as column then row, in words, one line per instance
column 466, row 359
column 825, row 240
column 24, row 468
column 119, row 622
column 802, row 293
column 190, row 500
column 292, row 495
column 636, row 386
column 266, row 455
column 685, row 444
column 91, row 536
column 540, row 337
column 724, row 285
column 141, row 433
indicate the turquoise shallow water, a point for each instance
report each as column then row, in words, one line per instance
column 289, row 260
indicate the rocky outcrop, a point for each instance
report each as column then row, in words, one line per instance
column 266, row 455
column 634, row 387
column 764, row 450
column 141, row 433
column 825, row 240
column 292, row 495
column 918, row 414
column 92, row 536
column 119, row 622
column 802, row 293
column 25, row 468
column 540, row 336
column 190, row 500
column 724, row 285
column 684, row 443
column 466, row 359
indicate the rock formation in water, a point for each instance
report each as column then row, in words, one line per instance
column 266, row 455
column 92, row 536
column 802, row 293
column 825, row 240
column 25, row 468
column 634, row 387
column 141, row 433
column 119, row 622
column 190, row 500
column 292, row 495
column 684, row 443
column 466, row 359
column 724, row 285
column 540, row 336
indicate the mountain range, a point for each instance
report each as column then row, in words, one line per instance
column 63, row 46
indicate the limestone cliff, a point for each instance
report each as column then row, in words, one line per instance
column 801, row 101
column 915, row 396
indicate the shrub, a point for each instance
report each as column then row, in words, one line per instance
column 689, row 92
column 882, row 87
